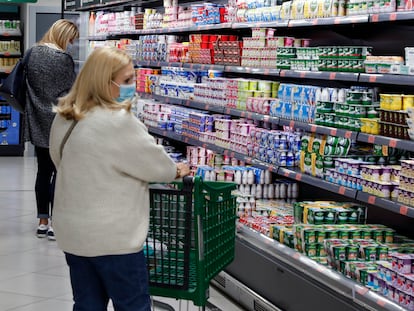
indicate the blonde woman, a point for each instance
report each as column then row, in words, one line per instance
column 101, row 210
column 50, row 75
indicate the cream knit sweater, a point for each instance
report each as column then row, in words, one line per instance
column 101, row 202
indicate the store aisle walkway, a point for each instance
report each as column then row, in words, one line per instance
column 33, row 272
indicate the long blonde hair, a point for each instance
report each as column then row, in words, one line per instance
column 60, row 33
column 92, row 86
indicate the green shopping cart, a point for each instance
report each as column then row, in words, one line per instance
column 191, row 237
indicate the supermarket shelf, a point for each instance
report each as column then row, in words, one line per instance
column 275, row 24
column 295, row 173
column 250, row 115
column 202, row 106
column 390, row 17
column 386, row 141
column 252, row 70
column 165, row 133
column 387, row 204
column 357, row 19
column 386, row 79
column 320, row 129
column 320, row 75
column 295, row 272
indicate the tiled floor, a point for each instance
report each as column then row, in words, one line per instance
column 33, row 272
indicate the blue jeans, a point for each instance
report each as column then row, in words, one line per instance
column 121, row 278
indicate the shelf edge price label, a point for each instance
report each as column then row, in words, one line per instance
column 372, row 79
column 298, row 177
column 333, row 132
column 232, row 155
column 302, row 74
column 296, row 255
column 243, row 114
column 371, row 199
column 286, row 173
column 204, row 145
column 313, row 128
column 266, row 118
column 375, row 18
column 341, row 190
column 332, row 76
column 362, row 290
column 337, row 20
column 228, row 110
column 403, row 210
column 248, row 159
column 392, row 143
column 393, row 16
column 348, row 134
column 371, row 139
column 315, row 21
column 282, row 73
column 207, row 107
column 292, row 123
column 270, row 168
column 266, row 71
column 381, row 302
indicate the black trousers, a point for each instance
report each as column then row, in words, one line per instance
column 45, row 183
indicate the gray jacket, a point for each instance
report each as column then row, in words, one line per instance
column 50, row 75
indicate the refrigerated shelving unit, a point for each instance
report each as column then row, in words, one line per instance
column 265, row 274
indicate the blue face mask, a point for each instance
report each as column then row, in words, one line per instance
column 126, row 91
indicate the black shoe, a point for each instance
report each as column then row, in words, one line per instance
column 41, row 231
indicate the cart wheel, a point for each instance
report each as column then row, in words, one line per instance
column 162, row 305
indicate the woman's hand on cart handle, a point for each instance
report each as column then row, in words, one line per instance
column 182, row 170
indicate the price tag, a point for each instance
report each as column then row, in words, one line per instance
column 186, row 140
column 298, row 176
column 202, row 67
column 164, row 133
column 292, row 123
column 341, row 190
column 375, row 18
column 333, row 132
column 403, row 210
column 249, row 115
column 392, row 143
column 381, row 302
column 248, row 159
column 371, row 199
column 393, row 16
column 207, row 107
column 286, row 173
column 227, row 111
column 7, row 54
column 348, row 134
column 232, row 155
column 371, row 139
column 282, row 73
column 337, row 21
column 372, row 79
column 266, row 71
column 313, row 128
column 315, row 21
column 296, row 256
column 270, row 168
column 191, row 66
column 302, row 74
column 362, row 290
column 243, row 114
column 332, row 76
column 266, row 118
column 204, row 146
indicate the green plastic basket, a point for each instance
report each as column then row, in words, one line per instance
column 191, row 237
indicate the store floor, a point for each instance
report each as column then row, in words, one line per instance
column 33, row 271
